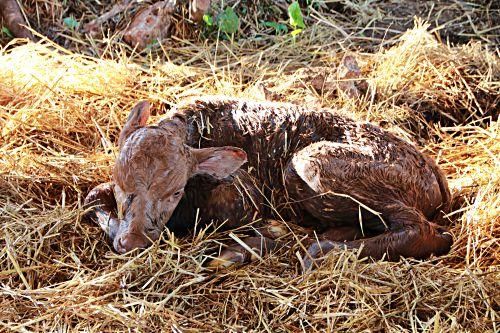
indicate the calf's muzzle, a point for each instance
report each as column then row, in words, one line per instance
column 127, row 242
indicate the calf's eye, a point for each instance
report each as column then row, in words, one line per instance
column 178, row 193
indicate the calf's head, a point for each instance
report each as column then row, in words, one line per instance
column 151, row 171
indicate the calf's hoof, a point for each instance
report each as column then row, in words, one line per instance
column 318, row 251
column 101, row 209
column 101, row 196
column 227, row 258
column 239, row 254
column 275, row 229
column 444, row 240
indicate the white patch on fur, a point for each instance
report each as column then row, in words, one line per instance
column 348, row 137
column 120, row 198
column 367, row 151
column 303, row 168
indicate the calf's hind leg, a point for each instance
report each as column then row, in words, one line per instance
column 342, row 186
column 409, row 235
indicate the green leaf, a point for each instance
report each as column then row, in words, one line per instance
column 278, row 27
column 295, row 14
column 296, row 32
column 281, row 28
column 70, row 22
column 228, row 21
column 6, row 31
column 208, row 19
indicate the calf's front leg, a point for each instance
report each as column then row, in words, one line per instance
column 102, row 208
column 236, row 204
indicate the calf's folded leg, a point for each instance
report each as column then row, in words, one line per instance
column 102, row 208
column 409, row 235
column 390, row 194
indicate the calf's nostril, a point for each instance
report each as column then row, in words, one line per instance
column 130, row 242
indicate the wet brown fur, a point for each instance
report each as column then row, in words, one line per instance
column 354, row 183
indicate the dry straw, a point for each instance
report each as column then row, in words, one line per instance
column 60, row 114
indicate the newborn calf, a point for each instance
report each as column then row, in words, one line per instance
column 354, row 183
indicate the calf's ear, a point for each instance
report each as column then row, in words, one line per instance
column 218, row 162
column 136, row 119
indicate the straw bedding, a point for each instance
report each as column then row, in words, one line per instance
column 61, row 112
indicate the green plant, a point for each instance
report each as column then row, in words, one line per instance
column 278, row 27
column 228, row 22
column 70, row 22
column 208, row 19
column 296, row 18
column 7, row 32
